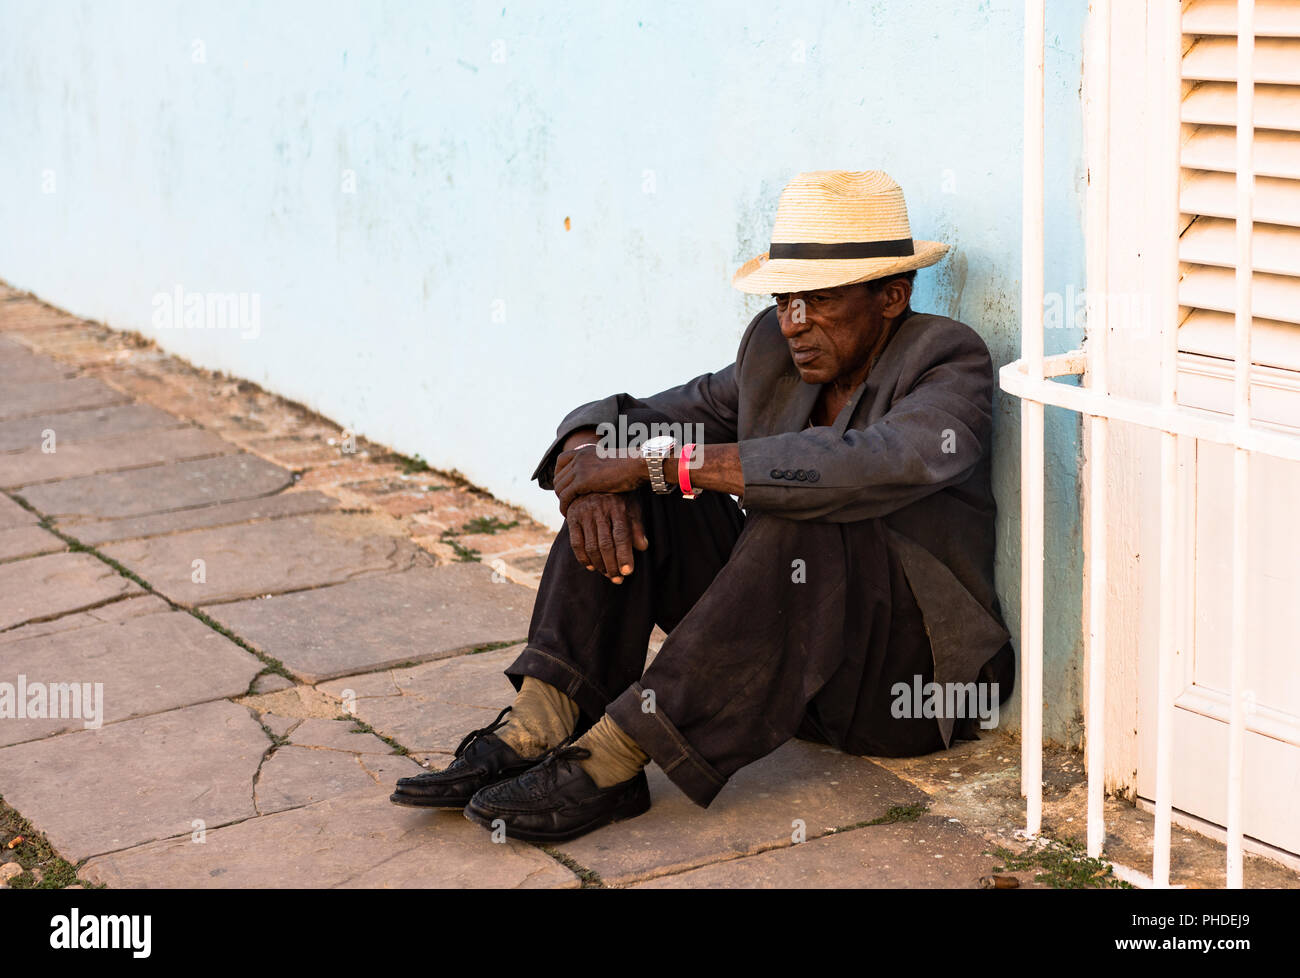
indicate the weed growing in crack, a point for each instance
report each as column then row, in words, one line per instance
column 1064, row 865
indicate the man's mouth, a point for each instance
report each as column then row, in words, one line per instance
column 805, row 355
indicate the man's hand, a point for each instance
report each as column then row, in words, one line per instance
column 604, row 529
column 580, row 471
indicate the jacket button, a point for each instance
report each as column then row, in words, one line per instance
column 775, row 473
column 813, row 475
column 788, row 473
column 800, row 474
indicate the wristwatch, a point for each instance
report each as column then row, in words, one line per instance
column 654, row 451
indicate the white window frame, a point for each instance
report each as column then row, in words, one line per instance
column 1132, row 245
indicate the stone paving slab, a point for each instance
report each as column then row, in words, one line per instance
column 28, row 541
column 289, row 503
column 98, row 791
column 158, row 488
column 129, row 451
column 297, row 702
column 270, row 682
column 295, row 451
column 824, row 787
column 355, row 840
column 930, row 853
column 429, row 708
column 56, row 584
column 23, row 400
column 11, row 514
column 75, row 427
column 268, row 558
column 28, row 368
column 377, row 622
column 84, row 344
column 336, row 735
column 146, row 664
column 144, row 604
column 278, row 725
column 297, row 776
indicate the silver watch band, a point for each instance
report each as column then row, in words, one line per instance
column 655, row 463
column 655, row 451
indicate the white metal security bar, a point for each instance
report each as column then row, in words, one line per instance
column 1029, row 378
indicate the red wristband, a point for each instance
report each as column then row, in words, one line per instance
column 683, row 476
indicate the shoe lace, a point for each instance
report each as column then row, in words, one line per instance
column 540, row 779
column 474, row 735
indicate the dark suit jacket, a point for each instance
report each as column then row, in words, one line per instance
column 912, row 447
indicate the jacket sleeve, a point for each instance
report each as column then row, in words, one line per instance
column 709, row 401
column 932, row 437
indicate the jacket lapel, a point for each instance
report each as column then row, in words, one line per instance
column 796, row 408
column 849, row 410
column 886, row 365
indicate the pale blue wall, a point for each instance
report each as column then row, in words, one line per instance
column 376, row 307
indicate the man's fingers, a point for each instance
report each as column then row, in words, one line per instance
column 561, row 483
column 591, row 537
column 605, row 537
column 623, row 543
column 564, row 489
column 577, row 541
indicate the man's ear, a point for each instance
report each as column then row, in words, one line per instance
column 896, row 295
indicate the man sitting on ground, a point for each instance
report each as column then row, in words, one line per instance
column 857, row 435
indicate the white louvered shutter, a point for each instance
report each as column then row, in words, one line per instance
column 1208, row 203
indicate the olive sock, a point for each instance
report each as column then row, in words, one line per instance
column 615, row 757
column 542, row 718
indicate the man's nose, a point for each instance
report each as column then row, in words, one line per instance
column 794, row 320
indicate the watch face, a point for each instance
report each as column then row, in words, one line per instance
column 658, row 446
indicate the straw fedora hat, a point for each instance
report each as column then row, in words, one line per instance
column 837, row 227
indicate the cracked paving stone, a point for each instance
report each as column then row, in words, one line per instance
column 376, row 622
column 297, row 776
column 757, row 809
column 75, row 427
column 297, row 702
column 147, row 664
column 158, row 488
column 129, row 783
column 429, row 708
column 278, row 725
column 122, row 452
column 28, row 541
column 930, row 853
column 291, row 503
column 11, row 514
column 338, row 735
column 270, row 683
column 358, row 839
column 144, row 604
column 55, row 584
column 44, row 397
column 254, row 559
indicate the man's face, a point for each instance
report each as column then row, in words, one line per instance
column 831, row 332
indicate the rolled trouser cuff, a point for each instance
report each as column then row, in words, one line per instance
column 656, row 734
column 540, row 664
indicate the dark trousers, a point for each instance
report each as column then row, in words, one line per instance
column 776, row 628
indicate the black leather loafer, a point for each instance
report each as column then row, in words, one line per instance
column 556, row 800
column 482, row 759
